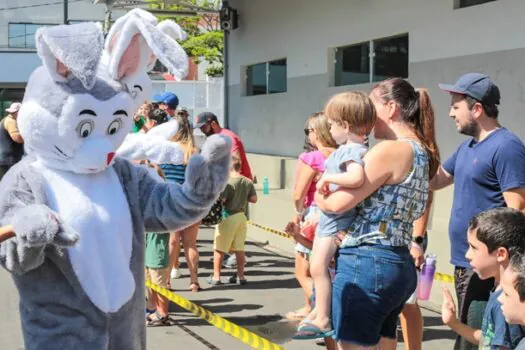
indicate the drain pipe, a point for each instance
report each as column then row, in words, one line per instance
column 226, row 72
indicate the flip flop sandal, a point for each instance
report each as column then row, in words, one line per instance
column 311, row 331
column 195, row 287
column 242, row 282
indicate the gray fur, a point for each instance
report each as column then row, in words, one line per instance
column 55, row 311
column 36, row 225
column 78, row 47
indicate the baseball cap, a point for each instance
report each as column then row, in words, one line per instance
column 15, row 107
column 204, row 118
column 475, row 85
column 171, row 100
column 159, row 98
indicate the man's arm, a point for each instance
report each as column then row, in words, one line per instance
column 441, row 180
column 12, row 129
column 515, row 198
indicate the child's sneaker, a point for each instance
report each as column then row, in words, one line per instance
column 175, row 274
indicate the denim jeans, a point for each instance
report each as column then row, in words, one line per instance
column 372, row 284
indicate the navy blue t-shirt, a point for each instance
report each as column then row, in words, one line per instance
column 495, row 331
column 482, row 172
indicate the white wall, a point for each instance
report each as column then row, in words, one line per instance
column 304, row 30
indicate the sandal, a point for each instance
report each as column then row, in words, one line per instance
column 156, row 320
column 233, row 279
column 195, row 287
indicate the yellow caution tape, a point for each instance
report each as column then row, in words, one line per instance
column 268, row 229
column 224, row 325
column 444, row 277
column 438, row 276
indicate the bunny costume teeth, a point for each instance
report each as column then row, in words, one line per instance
column 79, row 211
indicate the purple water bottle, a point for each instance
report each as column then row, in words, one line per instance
column 427, row 277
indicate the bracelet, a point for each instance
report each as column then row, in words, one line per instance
column 300, row 213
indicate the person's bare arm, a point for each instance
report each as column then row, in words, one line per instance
column 515, row 198
column 441, row 180
column 353, row 177
column 305, row 176
column 12, row 129
column 448, row 315
column 419, row 229
column 386, row 161
column 253, row 199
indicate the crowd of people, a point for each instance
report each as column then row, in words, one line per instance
column 361, row 217
column 163, row 249
column 361, row 214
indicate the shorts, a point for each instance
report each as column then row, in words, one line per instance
column 230, row 234
column 371, row 280
column 310, row 213
column 158, row 276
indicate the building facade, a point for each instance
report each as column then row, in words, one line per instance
column 288, row 57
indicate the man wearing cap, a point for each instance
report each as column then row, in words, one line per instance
column 168, row 102
column 487, row 170
column 11, row 143
column 208, row 123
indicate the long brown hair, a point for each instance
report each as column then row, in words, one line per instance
column 417, row 111
column 184, row 137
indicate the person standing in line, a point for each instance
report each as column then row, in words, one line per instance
column 11, row 142
column 487, row 170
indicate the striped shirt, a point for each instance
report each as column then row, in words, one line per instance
column 174, row 172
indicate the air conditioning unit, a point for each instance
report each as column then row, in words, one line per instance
column 229, row 18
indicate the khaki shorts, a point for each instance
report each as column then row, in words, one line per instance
column 230, row 234
column 158, row 276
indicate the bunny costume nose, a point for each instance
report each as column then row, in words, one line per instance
column 110, row 157
column 95, row 155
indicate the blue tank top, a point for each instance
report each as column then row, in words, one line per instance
column 174, row 172
column 387, row 216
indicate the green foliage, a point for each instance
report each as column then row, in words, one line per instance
column 202, row 44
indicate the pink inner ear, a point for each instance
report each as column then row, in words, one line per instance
column 62, row 69
column 130, row 60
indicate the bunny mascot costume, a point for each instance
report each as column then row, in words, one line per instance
column 79, row 212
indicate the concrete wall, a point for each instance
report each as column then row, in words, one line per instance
column 442, row 47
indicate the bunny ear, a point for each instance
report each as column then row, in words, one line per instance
column 162, row 40
column 121, row 21
column 172, row 29
column 71, row 49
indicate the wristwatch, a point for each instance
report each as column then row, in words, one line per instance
column 418, row 239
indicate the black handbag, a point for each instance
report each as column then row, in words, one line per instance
column 214, row 217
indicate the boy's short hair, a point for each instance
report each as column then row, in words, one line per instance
column 236, row 163
column 517, row 264
column 501, row 227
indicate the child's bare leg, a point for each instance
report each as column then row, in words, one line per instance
column 218, row 256
column 241, row 259
column 322, row 253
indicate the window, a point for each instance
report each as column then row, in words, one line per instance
column 266, row 78
column 466, row 3
column 22, row 35
column 371, row 61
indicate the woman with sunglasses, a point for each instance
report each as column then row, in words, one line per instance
column 319, row 144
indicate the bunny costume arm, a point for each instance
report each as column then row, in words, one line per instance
column 170, row 207
column 36, row 225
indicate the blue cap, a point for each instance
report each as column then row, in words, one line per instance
column 171, row 100
column 475, row 85
column 158, row 98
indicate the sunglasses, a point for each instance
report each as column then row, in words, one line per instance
column 308, row 131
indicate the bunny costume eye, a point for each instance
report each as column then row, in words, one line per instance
column 85, row 128
column 114, row 126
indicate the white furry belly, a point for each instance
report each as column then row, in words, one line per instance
column 96, row 207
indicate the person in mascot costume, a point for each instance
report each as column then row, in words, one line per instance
column 78, row 211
